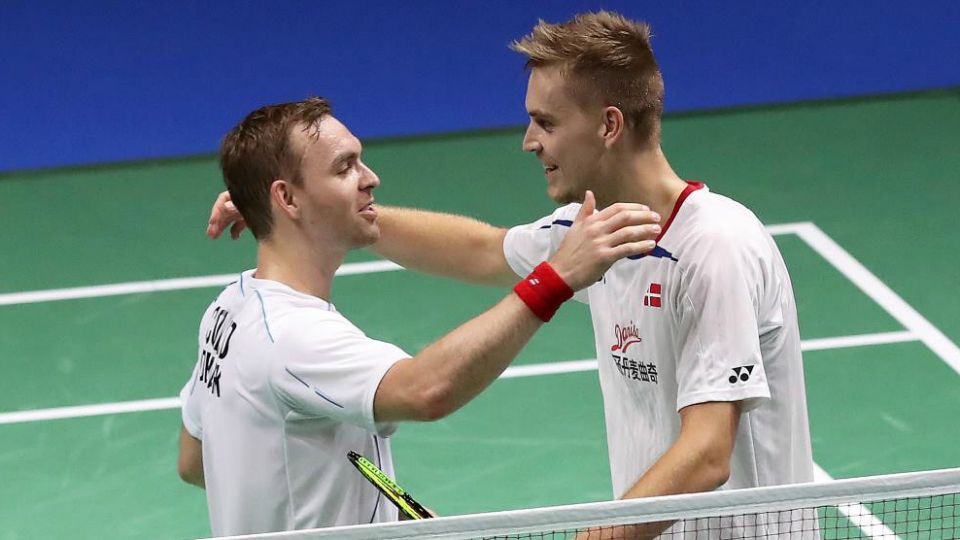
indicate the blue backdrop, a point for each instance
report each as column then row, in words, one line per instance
column 88, row 82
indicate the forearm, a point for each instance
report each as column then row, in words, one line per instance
column 675, row 472
column 681, row 470
column 699, row 460
column 453, row 370
column 444, row 244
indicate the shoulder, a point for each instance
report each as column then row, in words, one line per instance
column 527, row 245
column 297, row 321
column 560, row 218
column 719, row 225
column 230, row 298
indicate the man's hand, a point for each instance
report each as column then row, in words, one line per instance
column 224, row 214
column 597, row 240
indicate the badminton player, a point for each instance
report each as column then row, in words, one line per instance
column 285, row 386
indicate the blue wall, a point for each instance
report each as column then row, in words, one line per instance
column 88, row 82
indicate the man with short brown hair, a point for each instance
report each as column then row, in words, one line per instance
column 285, row 386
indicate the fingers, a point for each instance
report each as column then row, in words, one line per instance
column 237, row 228
column 630, row 249
column 634, row 233
column 225, row 214
column 587, row 208
column 616, row 208
column 216, row 224
column 631, row 218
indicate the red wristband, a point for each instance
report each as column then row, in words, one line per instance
column 543, row 291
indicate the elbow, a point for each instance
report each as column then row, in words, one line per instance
column 435, row 403
column 191, row 473
column 186, row 474
column 715, row 469
column 718, row 475
column 190, row 459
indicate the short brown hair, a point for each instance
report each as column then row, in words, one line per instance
column 610, row 60
column 257, row 152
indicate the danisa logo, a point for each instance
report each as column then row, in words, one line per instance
column 627, row 335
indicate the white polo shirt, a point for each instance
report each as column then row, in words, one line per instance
column 709, row 315
column 282, row 390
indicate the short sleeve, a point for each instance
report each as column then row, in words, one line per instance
column 190, row 408
column 719, row 339
column 329, row 368
column 526, row 246
column 191, row 403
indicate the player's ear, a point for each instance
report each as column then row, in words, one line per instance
column 612, row 127
column 283, row 198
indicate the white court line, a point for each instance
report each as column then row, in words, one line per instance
column 841, row 342
column 219, row 280
column 175, row 284
column 529, row 370
column 858, row 514
column 58, row 413
column 879, row 292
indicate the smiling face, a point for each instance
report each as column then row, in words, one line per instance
column 565, row 135
column 336, row 188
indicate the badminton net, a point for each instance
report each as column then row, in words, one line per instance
column 923, row 505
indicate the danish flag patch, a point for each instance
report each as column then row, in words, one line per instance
column 652, row 296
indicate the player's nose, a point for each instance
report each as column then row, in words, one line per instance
column 530, row 142
column 369, row 179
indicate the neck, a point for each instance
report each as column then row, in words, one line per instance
column 303, row 266
column 644, row 177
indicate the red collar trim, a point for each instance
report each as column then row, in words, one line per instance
column 691, row 187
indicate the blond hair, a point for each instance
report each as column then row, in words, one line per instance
column 608, row 60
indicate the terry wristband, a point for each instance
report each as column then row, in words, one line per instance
column 543, row 291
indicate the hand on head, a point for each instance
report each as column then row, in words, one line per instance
column 225, row 214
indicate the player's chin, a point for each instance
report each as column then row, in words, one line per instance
column 560, row 196
column 369, row 235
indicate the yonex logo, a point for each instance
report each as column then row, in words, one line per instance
column 741, row 374
column 652, row 296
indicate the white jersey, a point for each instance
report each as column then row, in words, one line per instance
column 282, row 390
column 709, row 315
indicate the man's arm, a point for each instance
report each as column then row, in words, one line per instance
column 453, row 370
column 190, row 460
column 445, row 245
column 699, row 460
column 441, row 244
column 450, row 372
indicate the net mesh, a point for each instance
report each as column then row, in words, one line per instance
column 914, row 517
column 923, row 505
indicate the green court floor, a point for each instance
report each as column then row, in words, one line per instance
column 875, row 178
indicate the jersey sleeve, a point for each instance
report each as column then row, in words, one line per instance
column 331, row 369
column 190, row 407
column 526, row 246
column 719, row 340
column 190, row 401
